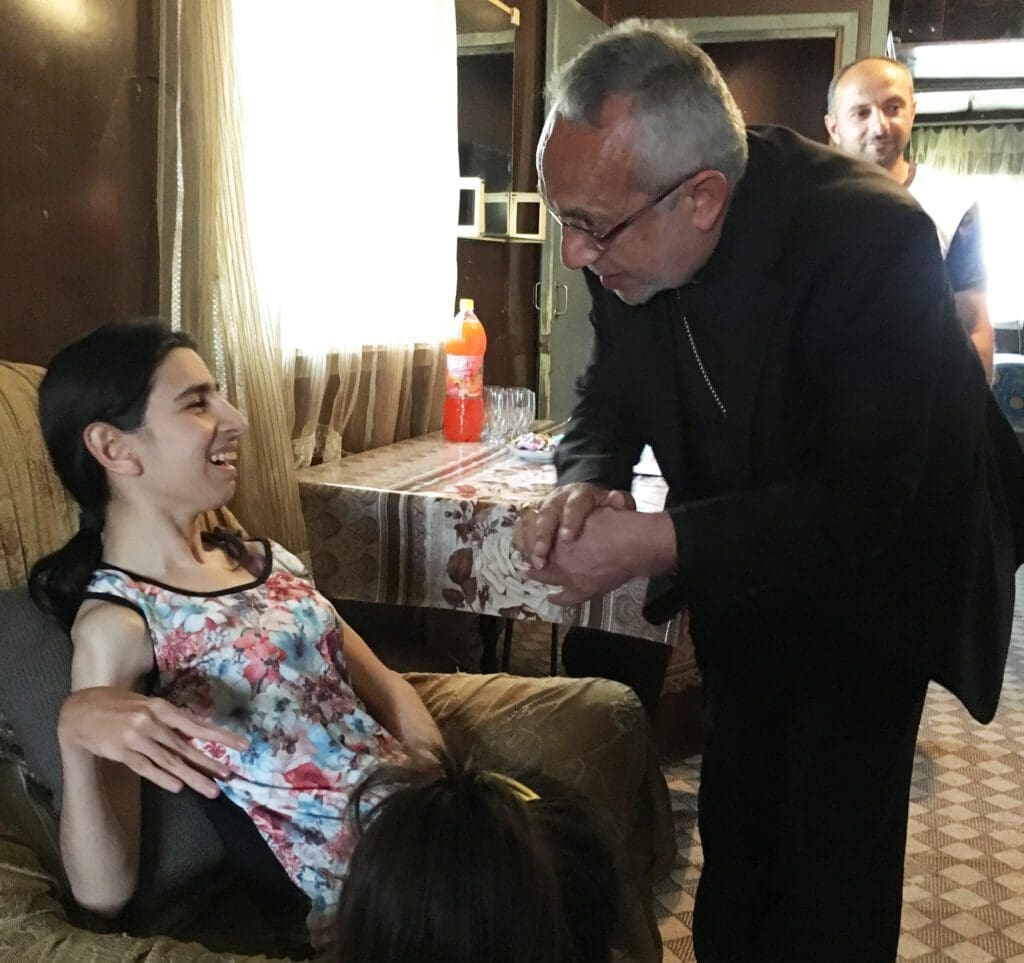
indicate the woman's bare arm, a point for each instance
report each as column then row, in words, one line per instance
column 99, row 825
column 390, row 699
column 109, row 736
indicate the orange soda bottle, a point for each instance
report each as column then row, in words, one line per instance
column 464, row 395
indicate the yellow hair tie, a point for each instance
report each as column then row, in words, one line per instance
column 518, row 789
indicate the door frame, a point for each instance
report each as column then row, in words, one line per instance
column 841, row 26
column 562, row 299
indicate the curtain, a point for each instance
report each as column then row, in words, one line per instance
column 208, row 285
column 971, row 150
column 307, row 201
column 351, row 183
column 991, row 160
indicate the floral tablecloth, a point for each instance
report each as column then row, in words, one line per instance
column 426, row 522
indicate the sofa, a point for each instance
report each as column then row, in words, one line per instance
column 1008, row 388
column 194, row 902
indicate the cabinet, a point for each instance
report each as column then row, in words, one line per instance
column 923, row 21
column 502, row 89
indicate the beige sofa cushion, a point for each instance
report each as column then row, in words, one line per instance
column 36, row 514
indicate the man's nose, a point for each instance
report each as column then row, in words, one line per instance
column 577, row 250
column 878, row 122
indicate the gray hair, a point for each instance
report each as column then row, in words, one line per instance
column 834, row 86
column 685, row 116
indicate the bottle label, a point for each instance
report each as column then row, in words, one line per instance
column 465, row 376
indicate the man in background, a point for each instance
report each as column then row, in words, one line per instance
column 871, row 112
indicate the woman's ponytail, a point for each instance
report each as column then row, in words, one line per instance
column 58, row 581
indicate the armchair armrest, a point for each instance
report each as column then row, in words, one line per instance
column 33, row 924
column 593, row 735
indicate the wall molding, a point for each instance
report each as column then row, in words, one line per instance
column 879, row 28
column 843, row 26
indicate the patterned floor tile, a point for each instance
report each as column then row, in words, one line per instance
column 968, row 953
column 964, row 878
column 912, row 948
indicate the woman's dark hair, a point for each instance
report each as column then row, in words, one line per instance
column 106, row 376
column 455, row 866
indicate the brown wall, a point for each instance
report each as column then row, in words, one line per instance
column 779, row 81
column 620, row 9
column 77, row 171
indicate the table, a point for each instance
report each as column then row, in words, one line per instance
column 425, row 522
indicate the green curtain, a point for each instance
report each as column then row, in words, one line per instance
column 970, row 150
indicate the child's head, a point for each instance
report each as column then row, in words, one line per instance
column 462, row 865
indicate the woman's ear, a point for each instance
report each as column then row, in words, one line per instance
column 710, row 193
column 112, row 448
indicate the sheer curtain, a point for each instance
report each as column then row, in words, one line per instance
column 207, row 282
column 992, row 160
column 308, row 167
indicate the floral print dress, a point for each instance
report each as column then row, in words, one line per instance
column 266, row 660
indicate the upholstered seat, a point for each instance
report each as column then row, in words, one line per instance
column 36, row 513
column 591, row 733
column 1008, row 387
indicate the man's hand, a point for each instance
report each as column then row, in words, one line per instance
column 613, row 547
column 148, row 735
column 561, row 516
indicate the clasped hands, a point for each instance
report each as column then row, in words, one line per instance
column 584, row 541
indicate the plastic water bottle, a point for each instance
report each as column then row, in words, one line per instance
column 464, row 395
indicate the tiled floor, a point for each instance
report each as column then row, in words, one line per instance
column 964, row 880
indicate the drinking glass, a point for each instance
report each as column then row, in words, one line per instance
column 497, row 415
column 524, row 405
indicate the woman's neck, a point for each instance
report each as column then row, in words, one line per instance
column 159, row 545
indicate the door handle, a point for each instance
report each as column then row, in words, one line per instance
column 536, row 295
column 564, row 289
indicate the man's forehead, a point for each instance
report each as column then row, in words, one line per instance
column 869, row 80
column 607, row 141
column 591, row 165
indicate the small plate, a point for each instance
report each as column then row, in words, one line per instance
column 536, row 457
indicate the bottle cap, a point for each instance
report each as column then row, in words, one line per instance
column 465, row 304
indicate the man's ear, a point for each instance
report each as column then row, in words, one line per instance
column 833, row 129
column 112, row 448
column 710, row 194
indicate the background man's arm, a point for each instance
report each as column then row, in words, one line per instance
column 965, row 265
column 972, row 310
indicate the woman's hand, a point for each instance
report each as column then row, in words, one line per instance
column 147, row 735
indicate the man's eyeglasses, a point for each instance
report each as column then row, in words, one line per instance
column 604, row 241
